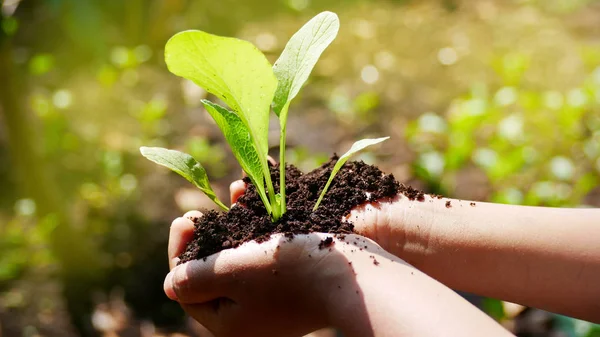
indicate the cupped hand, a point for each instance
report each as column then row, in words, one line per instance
column 280, row 287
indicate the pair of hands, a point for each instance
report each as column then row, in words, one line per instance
column 276, row 288
column 547, row 258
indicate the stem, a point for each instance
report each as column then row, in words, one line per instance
column 220, row 204
column 263, row 196
column 323, row 192
column 282, row 167
column 283, row 126
column 274, row 211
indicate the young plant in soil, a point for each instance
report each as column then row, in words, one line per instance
column 278, row 200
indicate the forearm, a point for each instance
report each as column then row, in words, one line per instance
column 392, row 298
column 542, row 257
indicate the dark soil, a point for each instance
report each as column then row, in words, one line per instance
column 248, row 219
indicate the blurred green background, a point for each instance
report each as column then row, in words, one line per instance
column 488, row 100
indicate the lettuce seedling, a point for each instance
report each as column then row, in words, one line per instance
column 238, row 74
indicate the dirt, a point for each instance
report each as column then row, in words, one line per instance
column 326, row 243
column 248, row 219
column 375, row 262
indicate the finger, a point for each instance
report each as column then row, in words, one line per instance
column 214, row 314
column 196, row 281
column 192, row 215
column 199, row 281
column 181, row 232
column 236, row 190
column 377, row 219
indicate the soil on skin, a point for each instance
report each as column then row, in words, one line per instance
column 248, row 219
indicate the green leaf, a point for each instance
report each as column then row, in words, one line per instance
column 186, row 166
column 240, row 141
column 357, row 146
column 233, row 70
column 300, row 56
column 293, row 68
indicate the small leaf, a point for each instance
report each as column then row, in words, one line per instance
column 186, row 166
column 233, row 70
column 357, row 146
column 239, row 139
column 300, row 56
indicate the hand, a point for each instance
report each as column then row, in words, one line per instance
column 279, row 287
column 276, row 288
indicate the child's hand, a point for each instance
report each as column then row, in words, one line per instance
column 276, row 288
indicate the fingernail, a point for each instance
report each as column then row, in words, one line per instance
column 169, row 287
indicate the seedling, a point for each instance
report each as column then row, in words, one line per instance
column 237, row 73
column 361, row 144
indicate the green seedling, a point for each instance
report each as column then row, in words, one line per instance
column 237, row 73
column 357, row 146
column 293, row 68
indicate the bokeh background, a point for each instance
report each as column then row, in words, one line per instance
column 485, row 100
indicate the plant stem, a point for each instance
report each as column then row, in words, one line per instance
column 220, row 204
column 282, row 167
column 323, row 192
column 263, row 196
column 274, row 211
